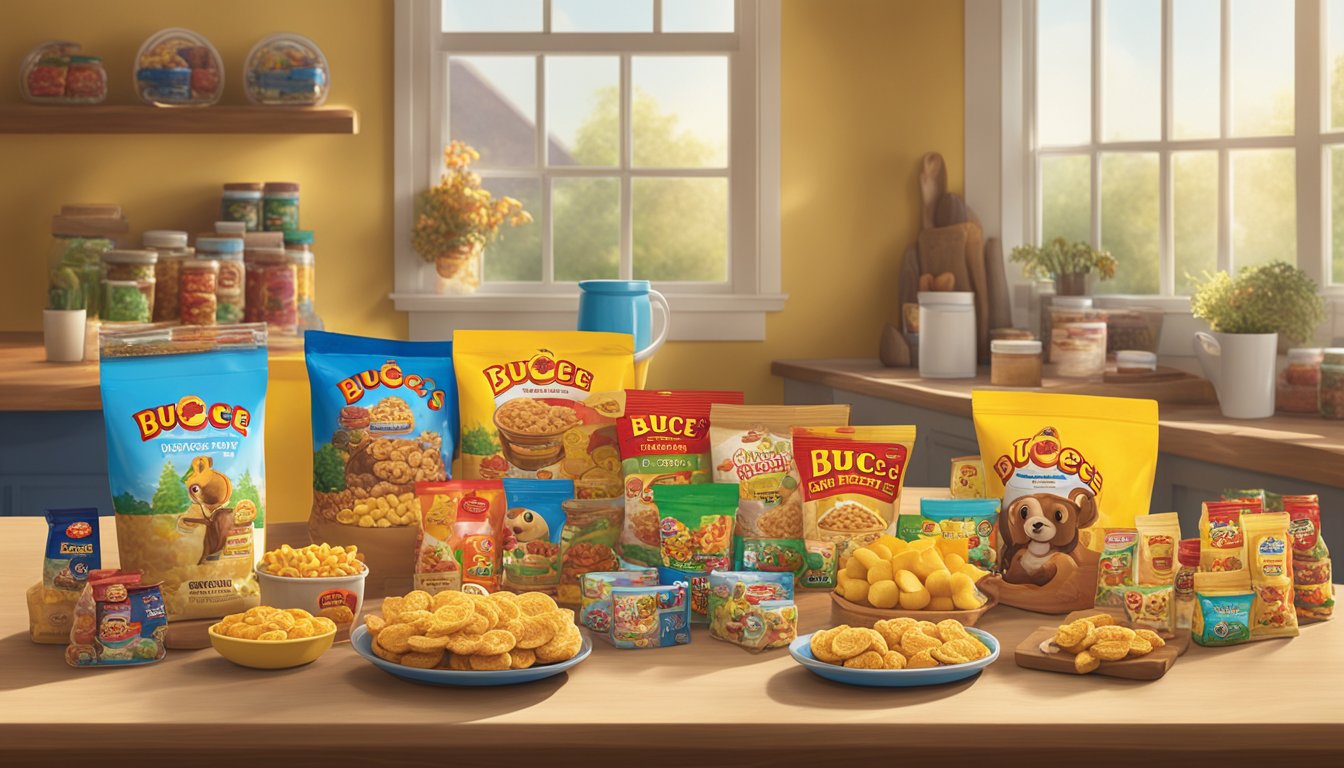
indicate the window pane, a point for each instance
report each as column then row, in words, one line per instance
column 1196, row 50
column 697, row 15
column 583, row 103
column 681, row 229
column 1264, row 206
column 516, row 255
column 1335, row 62
column 492, row 105
column 602, row 15
column 1262, row 67
column 1131, row 70
column 1064, row 72
column 1129, row 221
column 680, row 111
column 586, row 235
column 491, row 15
column 1337, row 214
column 1066, row 198
column 1195, row 204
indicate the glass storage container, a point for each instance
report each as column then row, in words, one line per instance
column 1015, row 363
column 280, row 206
column 196, row 294
column 80, row 234
column 278, row 290
column 286, row 69
column 1298, row 387
column 299, row 250
column 1332, row 383
column 177, row 67
column 124, row 301
column 124, row 269
column 946, row 334
column 241, row 202
column 171, row 247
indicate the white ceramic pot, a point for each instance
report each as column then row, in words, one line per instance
column 63, row 334
column 1241, row 367
column 339, row 598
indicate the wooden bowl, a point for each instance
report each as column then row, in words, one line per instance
column 846, row 612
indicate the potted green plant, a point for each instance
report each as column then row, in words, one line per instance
column 1068, row 264
column 1249, row 315
column 457, row 217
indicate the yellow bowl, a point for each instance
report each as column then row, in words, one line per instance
column 271, row 654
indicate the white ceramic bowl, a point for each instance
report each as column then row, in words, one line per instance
column 339, row 598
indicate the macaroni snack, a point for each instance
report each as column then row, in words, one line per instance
column 265, row 623
column 664, row 440
column 185, row 411
column 544, row 405
column 312, row 561
column 72, row 552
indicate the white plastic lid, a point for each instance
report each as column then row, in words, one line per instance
column 231, row 227
column 1015, row 347
column 164, row 238
column 946, row 298
column 116, row 256
column 1135, row 358
column 299, row 255
column 207, row 264
column 1305, row 355
column 1072, row 302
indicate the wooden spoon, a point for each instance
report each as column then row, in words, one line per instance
column 932, row 185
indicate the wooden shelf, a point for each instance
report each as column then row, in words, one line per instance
column 121, row 118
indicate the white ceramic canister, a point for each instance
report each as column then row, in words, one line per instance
column 947, row 334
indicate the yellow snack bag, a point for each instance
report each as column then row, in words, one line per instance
column 1269, row 549
column 1159, row 535
column 544, row 404
column 1066, row 468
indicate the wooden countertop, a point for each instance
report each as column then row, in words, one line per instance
column 1301, row 447
column 29, row 383
column 705, row 703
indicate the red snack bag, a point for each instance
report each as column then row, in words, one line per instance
column 1304, row 526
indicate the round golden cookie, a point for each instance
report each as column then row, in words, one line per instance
column 302, row 629
column 392, row 608
column 385, row 654
column 422, row 660
column 951, row 629
column 298, row 613
column 280, row 620
column 534, row 632
column 879, row 642
column 494, row 663
column 929, row 628
column 459, row 663
column 448, row 597
column 451, row 618
column 395, row 637
column 893, row 660
column 374, row 624
column 495, row 642
column 563, row 646
column 1085, row 662
column 957, row 651
column 521, row 658
column 892, row 631
column 821, row 645
column 463, row 643
column 506, row 604
column 913, row 642
column 536, row 603
column 479, row 624
column 273, row 634
column 421, row 620
column 323, row 625
column 418, row 600
column 921, row 660
column 866, row 660
column 423, row 644
column 851, row 642
column 1075, row 634
column 483, row 608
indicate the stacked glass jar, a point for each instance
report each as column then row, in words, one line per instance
column 242, row 202
column 128, row 286
column 280, row 206
column 231, row 280
column 171, row 247
column 299, row 250
column 1299, row 384
column 1332, row 383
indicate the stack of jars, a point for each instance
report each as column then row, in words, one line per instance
column 172, row 250
column 299, row 250
column 230, row 283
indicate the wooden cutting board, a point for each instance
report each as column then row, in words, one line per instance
column 1030, row 654
column 943, row 249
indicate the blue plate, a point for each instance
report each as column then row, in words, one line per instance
column 801, row 650
column 363, row 644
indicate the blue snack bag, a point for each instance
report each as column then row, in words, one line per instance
column 184, row 409
column 531, row 533
column 72, row 551
column 972, row 520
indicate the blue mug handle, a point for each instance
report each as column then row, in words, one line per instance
column 656, row 298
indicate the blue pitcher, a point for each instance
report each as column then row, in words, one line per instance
column 625, row 306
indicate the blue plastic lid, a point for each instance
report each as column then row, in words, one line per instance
column 219, row 244
column 298, row 236
column 615, row 286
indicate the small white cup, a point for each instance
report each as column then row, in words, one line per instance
column 63, row 333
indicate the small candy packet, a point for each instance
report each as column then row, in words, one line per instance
column 650, row 617
column 595, row 608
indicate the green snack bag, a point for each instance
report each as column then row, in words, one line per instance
column 696, row 526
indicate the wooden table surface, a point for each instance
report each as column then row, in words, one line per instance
column 1302, row 447
column 707, row 703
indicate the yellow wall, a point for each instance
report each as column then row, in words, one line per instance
column 173, row 182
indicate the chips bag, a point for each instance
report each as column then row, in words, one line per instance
column 1115, row 568
column 1269, row 502
column 384, row 417
column 544, row 405
column 747, row 608
column 1151, row 606
column 1223, row 604
column 1222, row 544
column 851, row 479
column 436, row 566
column 587, row 543
column 533, row 524
column 595, row 609
column 72, row 552
column 1304, row 527
column 1270, row 564
column 119, row 621
column 664, row 440
column 1066, row 467
column 696, row 527
column 476, row 532
column 1159, row 536
column 962, row 526
column 184, row 409
column 1313, row 594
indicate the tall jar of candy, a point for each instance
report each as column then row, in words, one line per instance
column 231, row 282
column 241, row 201
column 280, row 206
column 171, row 247
column 196, row 294
column 278, row 293
column 128, row 286
column 299, row 250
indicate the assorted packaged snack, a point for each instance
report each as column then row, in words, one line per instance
column 1158, row 535
column 476, row 531
column 184, row 409
column 533, row 525
column 1313, row 592
column 1066, row 468
column 968, row 478
column 1094, row 640
column 1183, row 589
column 544, row 405
column 465, row 631
column 753, row 610
column 664, row 440
column 119, row 620
column 269, row 624
column 1223, row 608
column 1115, row 570
column 900, row 643
column 913, row 576
column 57, row 73
column 587, row 543
column 286, row 69
column 696, row 526
column 1222, row 541
column 73, row 551
column 851, row 479
column 1270, row 566
column 650, row 617
column 596, row 607
column 178, row 67
column 965, row 527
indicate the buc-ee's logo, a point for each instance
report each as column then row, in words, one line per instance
column 673, row 426
column 542, row 368
column 192, row 414
column 1044, row 449
column 390, row 376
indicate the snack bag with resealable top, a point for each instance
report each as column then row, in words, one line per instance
column 1115, row 569
column 73, row 550
column 436, row 566
column 533, row 525
column 1223, row 607
column 476, row 534
column 544, row 405
column 1313, row 593
column 1270, row 566
column 1222, row 541
column 184, row 408
column 1159, row 536
column 664, row 440
column 1067, row 467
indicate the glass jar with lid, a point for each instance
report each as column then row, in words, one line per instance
column 80, row 234
column 171, row 246
column 1015, row 363
column 123, row 270
column 1332, row 383
column 241, row 202
column 231, row 282
column 299, row 249
column 278, row 290
column 196, row 294
column 1298, row 387
column 280, row 206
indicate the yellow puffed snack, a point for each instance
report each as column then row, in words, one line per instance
column 908, row 581
column 880, row 571
column 883, row 553
column 905, row 559
column 856, row 590
column 954, row 561
column 884, row 594
column 929, row 561
column 312, row 561
column 939, row 584
column 867, row 557
column 916, row 601
column 855, row 569
column 894, row 545
column 942, row 604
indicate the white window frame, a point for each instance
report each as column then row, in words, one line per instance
column 734, row 310
column 1003, row 176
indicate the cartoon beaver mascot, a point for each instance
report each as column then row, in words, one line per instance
column 209, row 491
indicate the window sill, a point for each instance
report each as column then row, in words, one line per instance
column 695, row 317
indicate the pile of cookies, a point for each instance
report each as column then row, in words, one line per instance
column 902, row 643
column 1098, row 638
column 463, row 631
column 262, row 622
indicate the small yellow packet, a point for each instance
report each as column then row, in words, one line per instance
column 1269, row 550
column 1159, row 535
